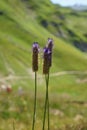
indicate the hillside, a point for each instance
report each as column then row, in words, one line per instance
column 67, row 24
column 23, row 22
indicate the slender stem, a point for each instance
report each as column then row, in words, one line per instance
column 46, row 102
column 48, row 116
column 45, row 107
column 34, row 115
column 13, row 126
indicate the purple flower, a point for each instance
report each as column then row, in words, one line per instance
column 35, row 45
column 50, row 44
column 35, row 56
column 46, row 50
column 46, row 60
column 50, row 47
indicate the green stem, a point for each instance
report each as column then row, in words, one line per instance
column 13, row 126
column 45, row 106
column 34, row 115
column 46, row 102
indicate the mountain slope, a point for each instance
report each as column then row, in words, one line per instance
column 67, row 24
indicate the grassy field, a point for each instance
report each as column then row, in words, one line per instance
column 67, row 108
column 21, row 23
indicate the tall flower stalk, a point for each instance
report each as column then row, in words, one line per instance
column 35, row 69
column 47, row 63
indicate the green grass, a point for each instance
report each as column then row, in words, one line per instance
column 18, row 108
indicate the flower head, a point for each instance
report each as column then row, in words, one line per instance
column 35, row 56
column 50, row 44
column 35, row 45
column 46, row 57
column 50, row 47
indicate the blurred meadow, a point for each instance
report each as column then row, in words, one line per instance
column 23, row 22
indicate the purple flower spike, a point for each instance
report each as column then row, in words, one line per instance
column 50, row 44
column 46, row 61
column 50, row 47
column 35, row 57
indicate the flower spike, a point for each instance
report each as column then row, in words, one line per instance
column 35, row 57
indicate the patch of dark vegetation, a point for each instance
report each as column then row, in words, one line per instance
column 56, row 24
column 57, row 28
column 44, row 23
column 74, row 14
column 71, row 33
column 76, row 40
column 80, row 45
column 1, row 13
column 85, row 35
column 62, row 17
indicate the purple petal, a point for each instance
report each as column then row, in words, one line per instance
column 35, row 45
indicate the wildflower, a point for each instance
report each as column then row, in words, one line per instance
column 50, row 44
column 35, row 57
column 50, row 47
column 46, row 57
column 47, row 63
column 35, row 69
